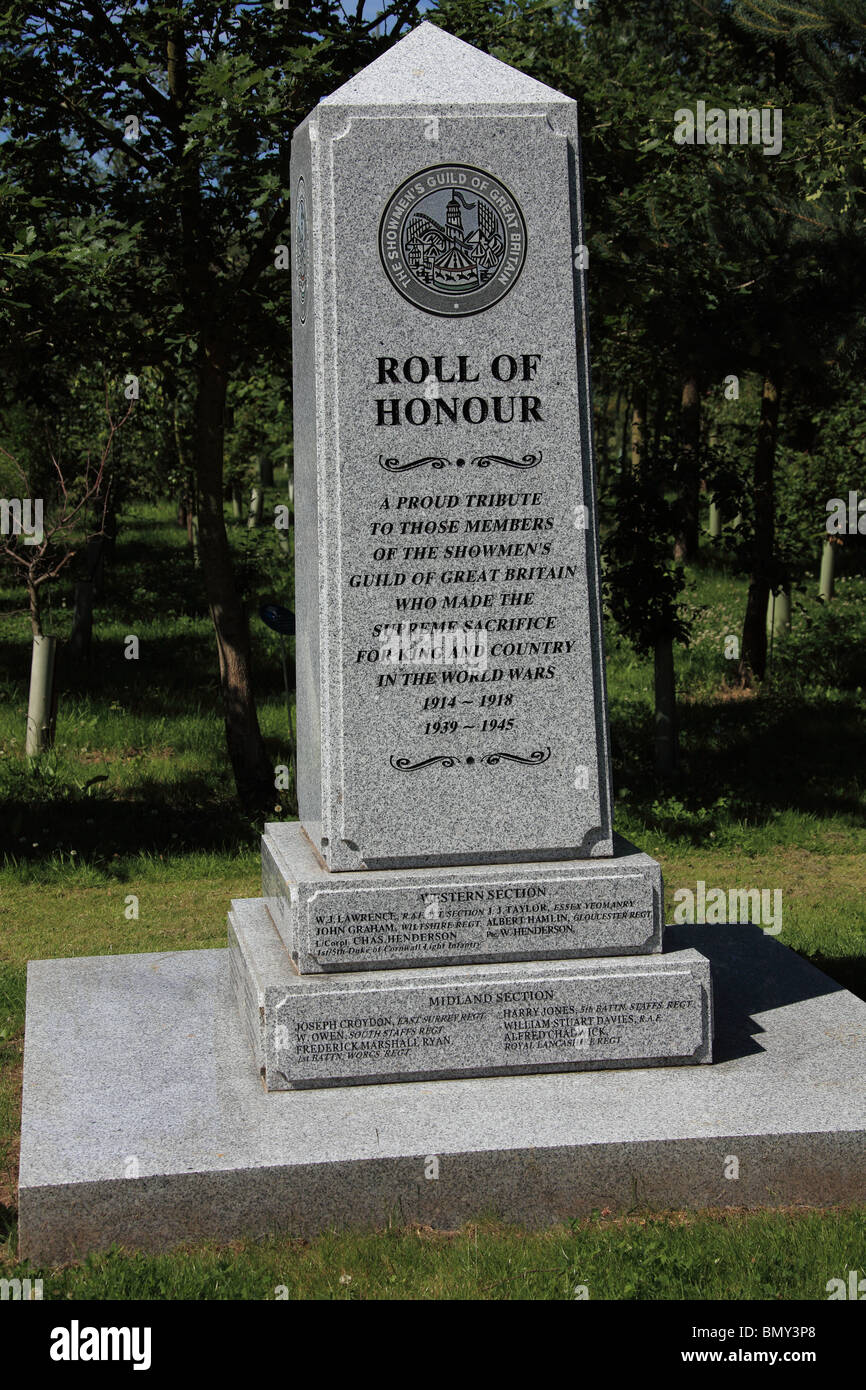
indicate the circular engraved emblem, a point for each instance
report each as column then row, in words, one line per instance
column 452, row 240
column 301, row 248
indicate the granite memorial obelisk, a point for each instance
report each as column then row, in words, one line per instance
column 452, row 900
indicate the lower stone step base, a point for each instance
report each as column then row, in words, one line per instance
column 145, row 1124
column 463, row 1020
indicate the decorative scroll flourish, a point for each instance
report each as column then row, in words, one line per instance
column 393, row 465
column 406, row 764
column 540, row 755
column 528, row 461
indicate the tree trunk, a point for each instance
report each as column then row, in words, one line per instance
column 189, row 508
column 186, row 498
column 266, row 471
column 41, row 704
column 638, row 430
column 82, row 622
column 34, row 605
column 658, row 418
column 237, row 500
column 827, row 582
column 253, row 774
column 665, row 707
column 609, row 425
column 623, row 448
column 96, row 563
column 714, row 524
column 257, row 506
column 778, row 614
column 753, row 660
column 689, row 471
column 110, row 527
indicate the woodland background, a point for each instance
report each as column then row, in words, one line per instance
column 145, row 394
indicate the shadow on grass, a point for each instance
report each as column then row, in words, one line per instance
column 151, row 581
column 753, row 975
column 849, row 971
column 174, row 676
column 9, row 1226
column 744, row 760
column 194, row 819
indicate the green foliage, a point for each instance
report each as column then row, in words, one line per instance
column 642, row 585
column 12, row 995
column 152, row 728
column 702, row 261
column 261, row 415
column 165, row 230
column 826, row 653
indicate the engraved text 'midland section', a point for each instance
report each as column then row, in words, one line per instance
column 434, row 1029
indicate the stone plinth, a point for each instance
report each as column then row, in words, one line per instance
column 402, row 917
column 475, row 1020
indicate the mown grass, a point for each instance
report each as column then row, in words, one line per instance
column 678, row 1255
column 139, row 759
column 133, row 812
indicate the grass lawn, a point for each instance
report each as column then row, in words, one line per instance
column 126, row 837
column 678, row 1255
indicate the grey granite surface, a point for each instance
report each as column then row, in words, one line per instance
column 432, row 66
column 137, row 1065
column 463, row 1020
column 443, row 472
column 377, row 918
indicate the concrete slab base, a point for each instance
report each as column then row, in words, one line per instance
column 145, row 1121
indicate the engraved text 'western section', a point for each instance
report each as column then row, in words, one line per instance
column 454, row 922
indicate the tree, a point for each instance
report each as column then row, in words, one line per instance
column 42, row 542
column 642, row 591
column 146, row 158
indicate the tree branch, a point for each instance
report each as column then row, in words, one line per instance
column 113, row 136
column 259, row 256
column 160, row 105
column 398, row 12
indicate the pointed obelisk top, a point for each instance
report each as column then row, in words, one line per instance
column 431, row 67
